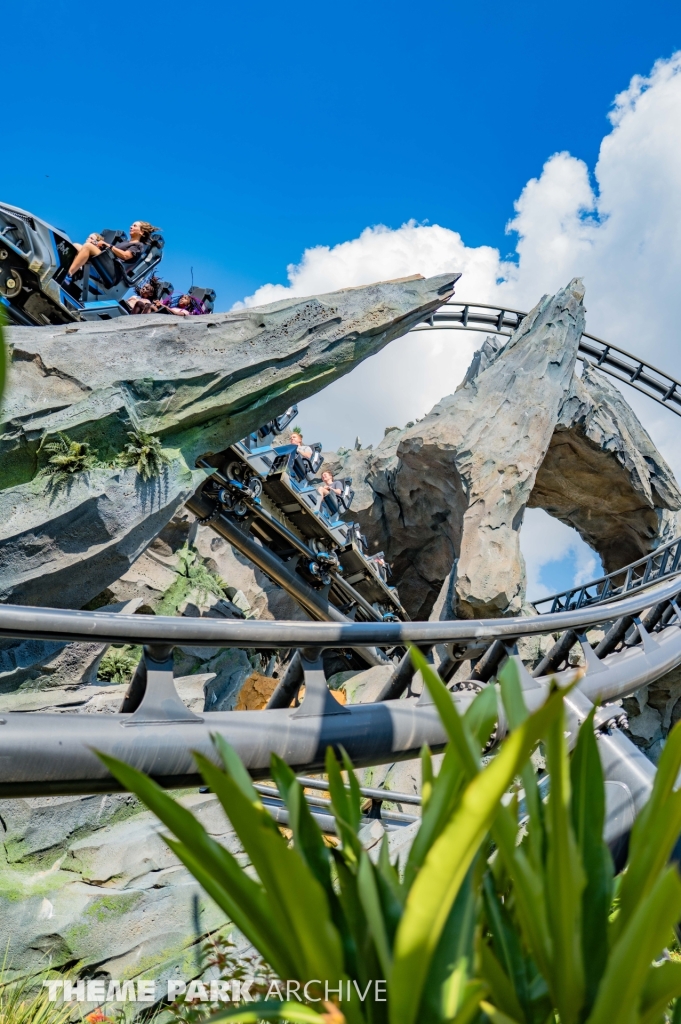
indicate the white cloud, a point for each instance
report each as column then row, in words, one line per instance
column 619, row 232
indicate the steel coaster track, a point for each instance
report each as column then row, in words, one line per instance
column 46, row 754
column 625, row 367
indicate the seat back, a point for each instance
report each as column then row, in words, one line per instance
column 347, row 494
column 106, row 269
column 206, row 296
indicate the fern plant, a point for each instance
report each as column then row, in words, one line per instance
column 118, row 664
column 68, row 457
column 145, row 453
column 192, row 574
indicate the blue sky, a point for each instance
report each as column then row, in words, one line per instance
column 250, row 132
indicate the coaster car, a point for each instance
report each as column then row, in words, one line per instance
column 34, row 263
column 268, row 489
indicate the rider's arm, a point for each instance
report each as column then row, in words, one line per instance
column 122, row 254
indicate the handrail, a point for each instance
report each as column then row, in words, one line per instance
column 109, row 627
column 579, row 597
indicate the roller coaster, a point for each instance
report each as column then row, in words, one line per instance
column 259, row 498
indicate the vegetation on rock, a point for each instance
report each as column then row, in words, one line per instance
column 69, row 457
column 145, row 453
column 119, row 663
column 193, row 575
column 22, row 1003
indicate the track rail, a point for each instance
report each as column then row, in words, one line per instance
column 659, row 564
column 620, row 364
column 47, row 754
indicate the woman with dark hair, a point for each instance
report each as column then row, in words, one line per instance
column 147, row 298
column 185, row 305
column 131, row 249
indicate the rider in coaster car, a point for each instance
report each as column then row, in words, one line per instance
column 183, row 305
column 303, row 453
column 131, row 249
column 147, row 298
column 331, row 490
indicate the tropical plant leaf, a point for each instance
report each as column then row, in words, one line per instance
column 293, row 1012
column 654, row 834
column 307, row 836
column 496, row 1016
column 565, row 882
column 479, row 721
column 662, row 985
column 508, row 950
column 243, row 899
column 588, row 819
column 373, row 910
column 639, row 943
column 435, row 888
column 500, row 986
column 297, row 901
column 447, row 988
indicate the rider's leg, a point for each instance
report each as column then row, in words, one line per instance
column 83, row 255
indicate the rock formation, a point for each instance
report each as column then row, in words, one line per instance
column 603, row 475
column 448, row 494
column 198, row 384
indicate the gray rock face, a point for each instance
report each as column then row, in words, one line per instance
column 453, row 487
column 89, row 880
column 603, row 475
column 197, row 383
column 448, row 494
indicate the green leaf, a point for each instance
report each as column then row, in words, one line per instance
column 662, row 985
column 499, row 984
column 496, row 1016
column 235, row 767
column 506, row 944
column 478, row 722
column 645, row 936
column 435, row 888
column 214, row 867
column 342, row 805
column 298, row 903
column 371, row 903
column 354, row 796
column 565, row 882
column 427, row 776
column 469, row 1003
column 460, row 738
column 294, row 1012
column 654, row 834
column 307, row 836
column 528, row 890
column 512, row 693
column 588, row 818
column 446, row 987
